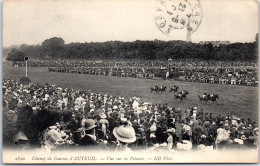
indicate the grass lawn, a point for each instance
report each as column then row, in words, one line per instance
column 238, row 100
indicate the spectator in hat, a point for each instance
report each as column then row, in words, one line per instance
column 186, row 135
column 171, row 140
column 245, row 140
column 211, row 140
column 203, row 140
column 88, row 137
column 21, row 139
column 125, row 135
column 197, row 132
column 152, row 137
column 52, row 138
column 104, row 124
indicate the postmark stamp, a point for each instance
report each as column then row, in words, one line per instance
column 178, row 17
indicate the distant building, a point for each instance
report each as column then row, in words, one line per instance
column 215, row 43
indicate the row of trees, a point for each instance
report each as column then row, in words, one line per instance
column 56, row 48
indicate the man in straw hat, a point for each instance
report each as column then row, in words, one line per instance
column 125, row 134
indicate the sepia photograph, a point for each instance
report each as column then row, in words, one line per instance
column 130, row 81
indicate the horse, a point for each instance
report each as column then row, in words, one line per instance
column 202, row 99
column 174, row 89
column 181, row 96
column 183, row 93
column 213, row 98
column 155, row 88
column 163, row 88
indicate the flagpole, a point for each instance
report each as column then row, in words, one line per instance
column 26, row 68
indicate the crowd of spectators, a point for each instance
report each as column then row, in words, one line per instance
column 51, row 117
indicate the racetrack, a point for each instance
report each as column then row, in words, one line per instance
column 238, row 100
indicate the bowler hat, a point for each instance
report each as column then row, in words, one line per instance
column 88, row 124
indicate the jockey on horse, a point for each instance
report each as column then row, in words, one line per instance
column 155, row 88
column 205, row 95
column 211, row 95
column 162, row 88
column 184, row 92
column 182, row 95
column 174, row 89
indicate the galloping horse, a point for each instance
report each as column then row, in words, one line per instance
column 174, row 89
column 209, row 97
column 212, row 98
column 163, row 88
column 155, row 88
column 182, row 95
column 184, row 92
column 203, row 99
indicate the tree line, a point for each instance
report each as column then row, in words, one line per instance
column 56, row 48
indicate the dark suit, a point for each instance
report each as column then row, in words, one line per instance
column 87, row 141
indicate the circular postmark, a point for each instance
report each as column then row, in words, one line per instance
column 178, row 17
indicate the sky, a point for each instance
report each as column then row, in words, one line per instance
column 33, row 21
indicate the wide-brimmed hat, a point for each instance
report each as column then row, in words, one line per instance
column 239, row 141
column 203, row 136
column 88, row 124
column 243, row 137
column 115, row 107
column 123, row 120
column 53, row 127
column 20, row 136
column 52, row 137
column 125, row 133
column 103, row 116
column 92, row 106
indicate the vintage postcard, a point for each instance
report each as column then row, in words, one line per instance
column 130, row 81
